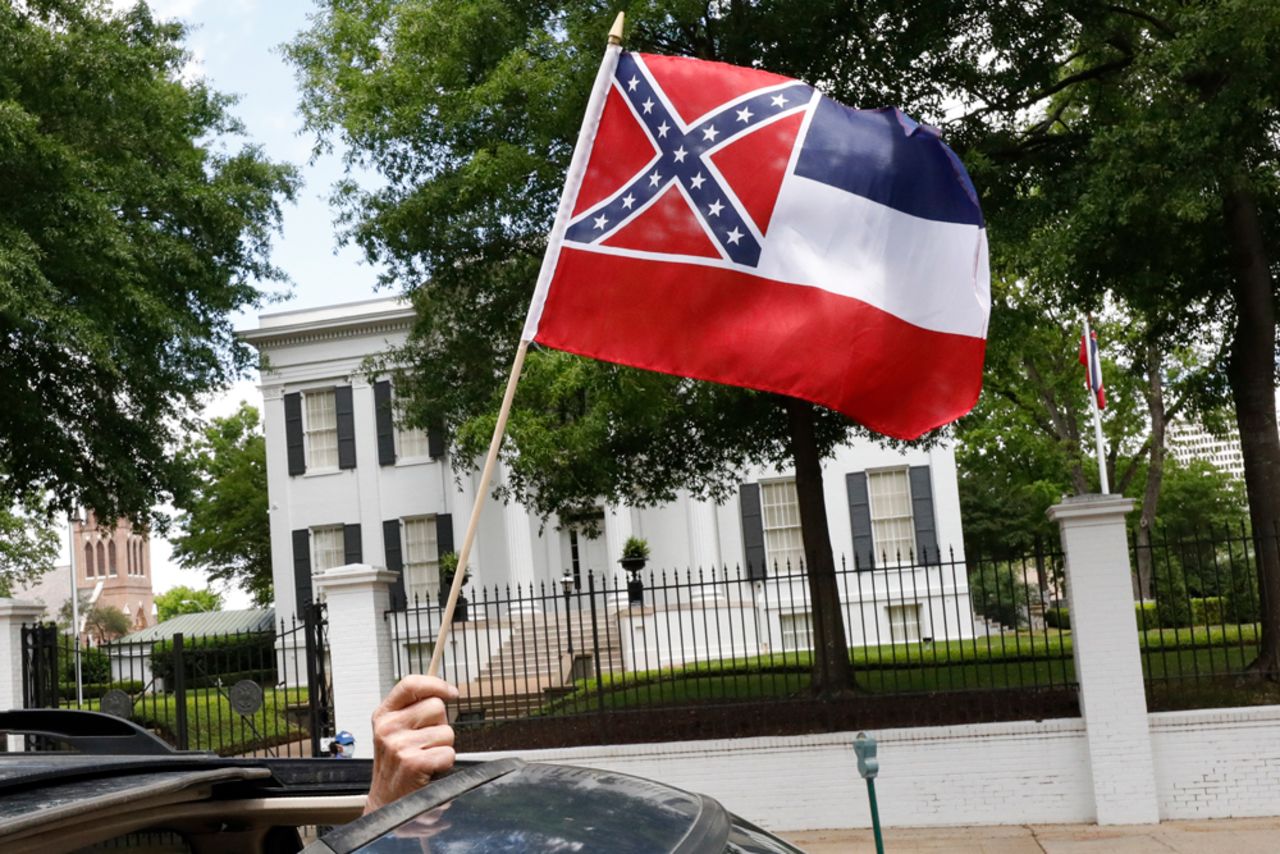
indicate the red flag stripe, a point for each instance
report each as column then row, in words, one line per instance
column 896, row 378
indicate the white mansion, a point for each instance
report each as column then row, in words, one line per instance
column 348, row 485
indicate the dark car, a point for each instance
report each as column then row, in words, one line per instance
column 120, row 787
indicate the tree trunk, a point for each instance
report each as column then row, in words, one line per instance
column 832, row 673
column 1251, row 371
column 1155, row 471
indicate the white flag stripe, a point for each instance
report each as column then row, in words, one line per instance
column 931, row 274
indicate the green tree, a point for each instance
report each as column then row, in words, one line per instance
column 106, row 622
column 223, row 528
column 468, row 111
column 1149, row 172
column 28, row 547
column 186, row 600
column 132, row 227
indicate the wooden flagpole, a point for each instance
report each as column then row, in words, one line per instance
column 577, row 168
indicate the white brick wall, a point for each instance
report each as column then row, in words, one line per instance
column 1217, row 763
column 1209, row 764
column 1007, row 773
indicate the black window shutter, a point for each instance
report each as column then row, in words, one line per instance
column 352, row 551
column 435, row 439
column 385, row 419
column 302, row 568
column 922, row 514
column 444, row 533
column 752, row 530
column 860, row 520
column 346, row 427
column 395, row 561
column 293, row 433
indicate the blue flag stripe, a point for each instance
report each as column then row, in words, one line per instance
column 884, row 156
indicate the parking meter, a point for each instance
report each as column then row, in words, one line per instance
column 865, row 747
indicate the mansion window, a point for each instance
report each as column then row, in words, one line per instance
column 797, row 632
column 412, row 442
column 327, row 548
column 892, row 528
column 320, row 428
column 904, row 623
column 783, row 543
column 421, row 559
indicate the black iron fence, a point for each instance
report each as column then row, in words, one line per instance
column 1199, row 611
column 238, row 693
column 932, row 641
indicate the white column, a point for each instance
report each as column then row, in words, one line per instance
column 519, row 538
column 704, row 536
column 360, row 654
column 278, row 486
column 617, row 530
column 14, row 613
column 368, row 471
column 1104, row 633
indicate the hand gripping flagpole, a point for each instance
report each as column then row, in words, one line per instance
column 1090, row 367
column 573, row 181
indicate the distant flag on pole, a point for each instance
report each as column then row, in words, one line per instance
column 1093, row 368
column 737, row 226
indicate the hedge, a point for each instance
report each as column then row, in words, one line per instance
column 95, row 690
column 95, row 664
column 1196, row 611
column 218, row 659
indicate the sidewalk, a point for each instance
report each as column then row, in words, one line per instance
column 1231, row 836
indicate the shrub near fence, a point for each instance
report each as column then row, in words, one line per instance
column 219, row 659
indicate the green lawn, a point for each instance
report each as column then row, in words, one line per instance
column 1181, row 662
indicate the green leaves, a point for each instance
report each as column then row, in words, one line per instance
column 224, row 529
column 128, row 238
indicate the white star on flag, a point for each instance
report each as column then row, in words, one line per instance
column 679, row 154
column 710, row 133
column 698, row 180
column 632, row 83
column 648, row 105
column 745, row 114
column 628, row 200
column 600, row 221
column 715, row 208
column 778, row 100
column 734, row 236
column 654, row 179
column 662, row 129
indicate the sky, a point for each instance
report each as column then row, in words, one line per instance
column 235, row 47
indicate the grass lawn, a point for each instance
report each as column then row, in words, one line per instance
column 213, row 725
column 1185, row 662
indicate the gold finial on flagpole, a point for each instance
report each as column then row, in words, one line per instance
column 615, row 33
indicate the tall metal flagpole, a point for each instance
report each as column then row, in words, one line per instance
column 577, row 168
column 1093, row 404
column 75, row 605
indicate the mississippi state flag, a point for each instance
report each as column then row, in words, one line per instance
column 737, row 226
column 1093, row 368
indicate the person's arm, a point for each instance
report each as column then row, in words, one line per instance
column 412, row 739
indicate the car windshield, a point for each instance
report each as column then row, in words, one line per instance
column 551, row 808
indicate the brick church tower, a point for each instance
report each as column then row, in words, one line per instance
column 118, row 559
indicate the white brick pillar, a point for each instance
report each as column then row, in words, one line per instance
column 1104, row 633
column 515, row 519
column 14, row 613
column 360, row 655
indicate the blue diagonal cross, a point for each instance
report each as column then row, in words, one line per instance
column 681, row 159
